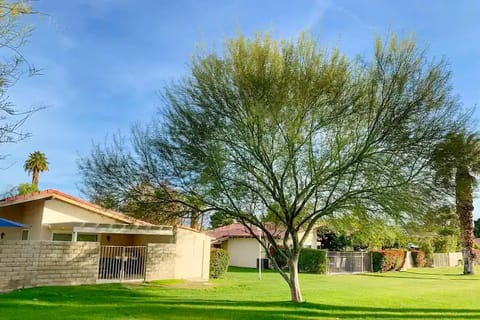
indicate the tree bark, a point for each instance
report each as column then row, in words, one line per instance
column 464, row 199
column 294, row 283
column 35, row 175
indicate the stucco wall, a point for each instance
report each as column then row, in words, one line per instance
column 192, row 255
column 57, row 211
column 27, row 213
column 160, row 261
column 41, row 263
column 244, row 252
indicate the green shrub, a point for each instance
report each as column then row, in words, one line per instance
column 313, row 261
column 418, row 258
column 427, row 247
column 445, row 244
column 219, row 260
column 387, row 260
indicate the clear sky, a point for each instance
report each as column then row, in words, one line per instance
column 104, row 61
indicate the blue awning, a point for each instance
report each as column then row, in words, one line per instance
column 12, row 224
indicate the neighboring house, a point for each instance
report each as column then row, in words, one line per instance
column 77, row 235
column 243, row 248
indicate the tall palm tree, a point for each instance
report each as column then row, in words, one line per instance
column 457, row 162
column 36, row 163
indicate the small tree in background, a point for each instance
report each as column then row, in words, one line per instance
column 37, row 162
column 217, row 219
column 27, row 188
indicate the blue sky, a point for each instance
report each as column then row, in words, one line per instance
column 104, row 61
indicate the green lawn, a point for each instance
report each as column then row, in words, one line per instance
column 416, row 294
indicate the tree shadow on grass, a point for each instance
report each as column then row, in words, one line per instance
column 93, row 302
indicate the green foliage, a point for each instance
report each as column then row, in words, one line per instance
column 37, row 162
column 27, row 188
column 476, row 229
column 331, row 240
column 388, row 260
column 367, row 230
column 419, row 259
column 218, row 219
column 313, row 261
column 427, row 247
column 444, row 243
column 219, row 260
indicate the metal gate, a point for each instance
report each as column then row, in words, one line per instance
column 120, row 263
column 349, row 262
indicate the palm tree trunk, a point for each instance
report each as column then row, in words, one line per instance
column 464, row 199
column 35, row 177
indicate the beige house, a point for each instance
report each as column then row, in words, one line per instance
column 243, row 248
column 112, row 245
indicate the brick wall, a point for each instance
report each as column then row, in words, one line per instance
column 41, row 263
column 160, row 261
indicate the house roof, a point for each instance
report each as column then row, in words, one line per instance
column 55, row 194
column 237, row 230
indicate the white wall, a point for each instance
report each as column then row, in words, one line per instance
column 244, row 252
column 192, row 260
column 56, row 211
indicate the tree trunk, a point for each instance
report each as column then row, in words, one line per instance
column 294, row 283
column 464, row 199
column 194, row 220
column 35, row 175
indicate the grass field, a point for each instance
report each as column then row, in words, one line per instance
column 416, row 294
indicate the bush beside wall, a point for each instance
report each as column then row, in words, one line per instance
column 219, row 260
column 419, row 259
column 313, row 261
column 387, row 260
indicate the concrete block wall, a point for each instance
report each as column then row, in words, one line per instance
column 42, row 263
column 160, row 261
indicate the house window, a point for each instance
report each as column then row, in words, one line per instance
column 88, row 237
column 25, row 234
column 62, row 237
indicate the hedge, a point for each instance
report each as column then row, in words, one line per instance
column 387, row 260
column 419, row 259
column 313, row 261
column 310, row 260
column 219, row 260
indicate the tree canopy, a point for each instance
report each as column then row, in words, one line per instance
column 37, row 162
column 290, row 129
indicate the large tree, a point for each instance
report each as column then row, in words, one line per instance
column 14, row 33
column 457, row 160
column 290, row 129
column 37, row 162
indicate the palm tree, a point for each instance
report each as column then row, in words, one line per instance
column 457, row 161
column 36, row 163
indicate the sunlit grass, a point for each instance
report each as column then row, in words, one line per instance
column 417, row 294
